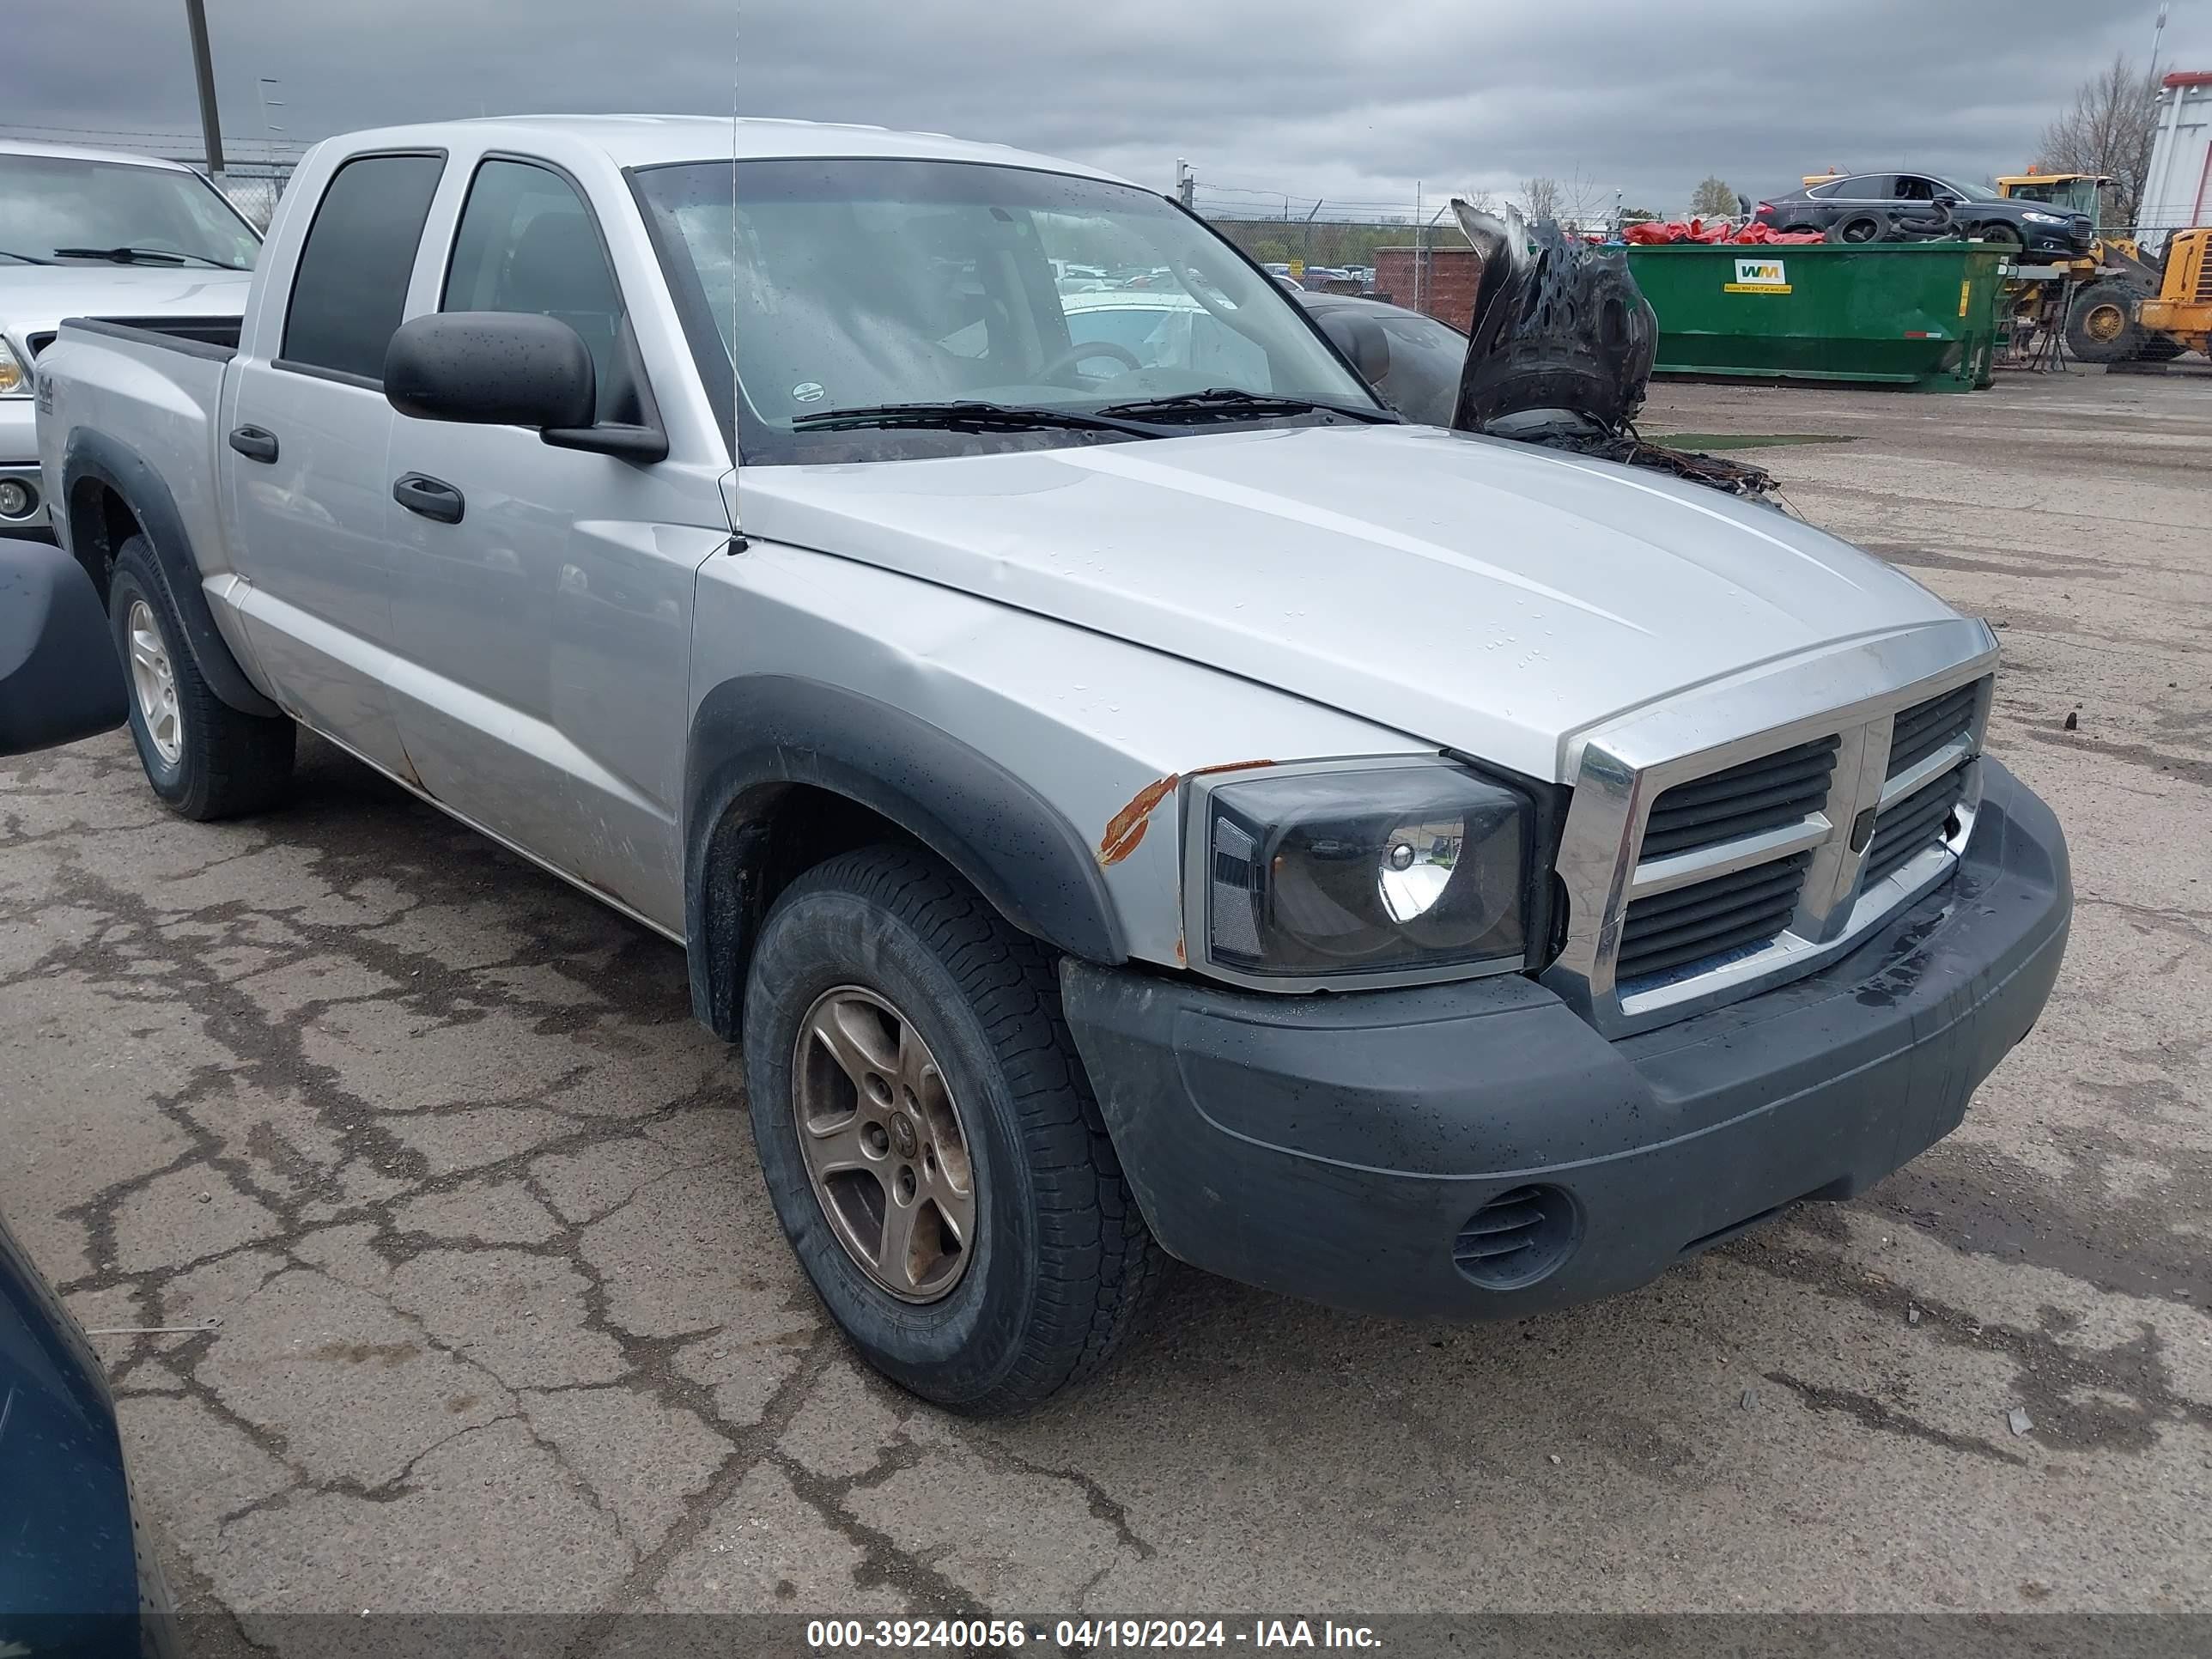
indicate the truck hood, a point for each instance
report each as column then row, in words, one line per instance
column 34, row 299
column 1474, row 594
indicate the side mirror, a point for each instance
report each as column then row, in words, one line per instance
column 491, row 368
column 60, row 677
column 1362, row 340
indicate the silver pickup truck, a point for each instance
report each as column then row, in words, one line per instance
column 1126, row 790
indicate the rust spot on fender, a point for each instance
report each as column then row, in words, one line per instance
column 1125, row 830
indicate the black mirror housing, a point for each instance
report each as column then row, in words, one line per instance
column 1362, row 340
column 491, row 368
column 60, row 677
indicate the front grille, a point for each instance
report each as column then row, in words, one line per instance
column 2085, row 230
column 1765, row 793
column 2204, row 279
column 1708, row 919
column 1912, row 825
column 1926, row 727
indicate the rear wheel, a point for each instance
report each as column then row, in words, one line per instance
column 2101, row 326
column 204, row 758
column 2159, row 348
column 929, row 1138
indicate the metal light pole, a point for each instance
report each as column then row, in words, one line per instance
column 204, row 71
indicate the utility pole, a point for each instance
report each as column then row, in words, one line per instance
column 204, row 71
column 1186, row 185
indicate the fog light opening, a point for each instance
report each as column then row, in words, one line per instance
column 17, row 500
column 1519, row 1237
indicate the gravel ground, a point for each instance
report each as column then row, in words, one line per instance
column 505, row 1322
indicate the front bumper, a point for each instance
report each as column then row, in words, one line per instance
column 1334, row 1147
column 2059, row 240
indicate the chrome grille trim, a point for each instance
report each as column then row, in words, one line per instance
column 1854, row 694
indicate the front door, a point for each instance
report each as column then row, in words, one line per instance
column 304, row 432
column 542, row 603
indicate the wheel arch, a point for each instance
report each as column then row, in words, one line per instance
column 109, row 494
column 782, row 772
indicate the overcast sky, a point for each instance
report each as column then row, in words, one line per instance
column 1353, row 101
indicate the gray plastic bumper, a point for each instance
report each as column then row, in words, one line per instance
column 1333, row 1147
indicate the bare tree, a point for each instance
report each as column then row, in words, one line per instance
column 1542, row 198
column 1712, row 199
column 2108, row 129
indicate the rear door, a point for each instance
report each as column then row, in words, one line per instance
column 545, row 631
column 305, row 429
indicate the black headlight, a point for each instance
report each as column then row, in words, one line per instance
column 1399, row 869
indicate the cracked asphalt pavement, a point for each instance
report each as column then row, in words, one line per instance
column 506, row 1323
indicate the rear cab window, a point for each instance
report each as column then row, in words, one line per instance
column 350, row 288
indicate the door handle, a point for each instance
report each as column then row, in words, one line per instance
column 434, row 498
column 255, row 443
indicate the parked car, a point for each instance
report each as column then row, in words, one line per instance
column 78, row 1574
column 1862, row 207
column 90, row 233
column 1121, row 802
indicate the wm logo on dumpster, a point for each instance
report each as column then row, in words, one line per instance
column 1758, row 277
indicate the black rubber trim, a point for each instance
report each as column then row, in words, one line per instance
column 753, row 739
column 95, row 457
column 152, row 331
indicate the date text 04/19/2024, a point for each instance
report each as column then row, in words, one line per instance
column 1087, row 1635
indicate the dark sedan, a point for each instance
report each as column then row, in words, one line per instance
column 1861, row 207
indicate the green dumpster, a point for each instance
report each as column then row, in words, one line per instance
column 1918, row 315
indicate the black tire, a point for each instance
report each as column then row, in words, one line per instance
column 2158, row 347
column 1999, row 234
column 2102, row 324
column 227, row 763
column 1858, row 227
column 1061, row 1260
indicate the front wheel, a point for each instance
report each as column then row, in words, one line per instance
column 204, row 759
column 929, row 1138
column 2101, row 326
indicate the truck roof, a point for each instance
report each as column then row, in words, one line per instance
column 647, row 140
column 87, row 153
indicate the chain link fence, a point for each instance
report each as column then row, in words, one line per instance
column 254, row 189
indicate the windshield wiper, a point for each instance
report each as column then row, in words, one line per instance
column 139, row 256
column 1231, row 403
column 27, row 258
column 970, row 416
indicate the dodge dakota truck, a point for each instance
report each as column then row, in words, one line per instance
column 1119, row 805
column 92, row 233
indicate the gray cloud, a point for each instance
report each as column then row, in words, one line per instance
column 1351, row 101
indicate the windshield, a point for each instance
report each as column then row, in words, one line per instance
column 858, row 283
column 52, row 201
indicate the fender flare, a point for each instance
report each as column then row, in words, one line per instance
column 93, row 457
column 753, row 738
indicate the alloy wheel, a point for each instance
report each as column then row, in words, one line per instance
column 153, row 684
column 883, row 1144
